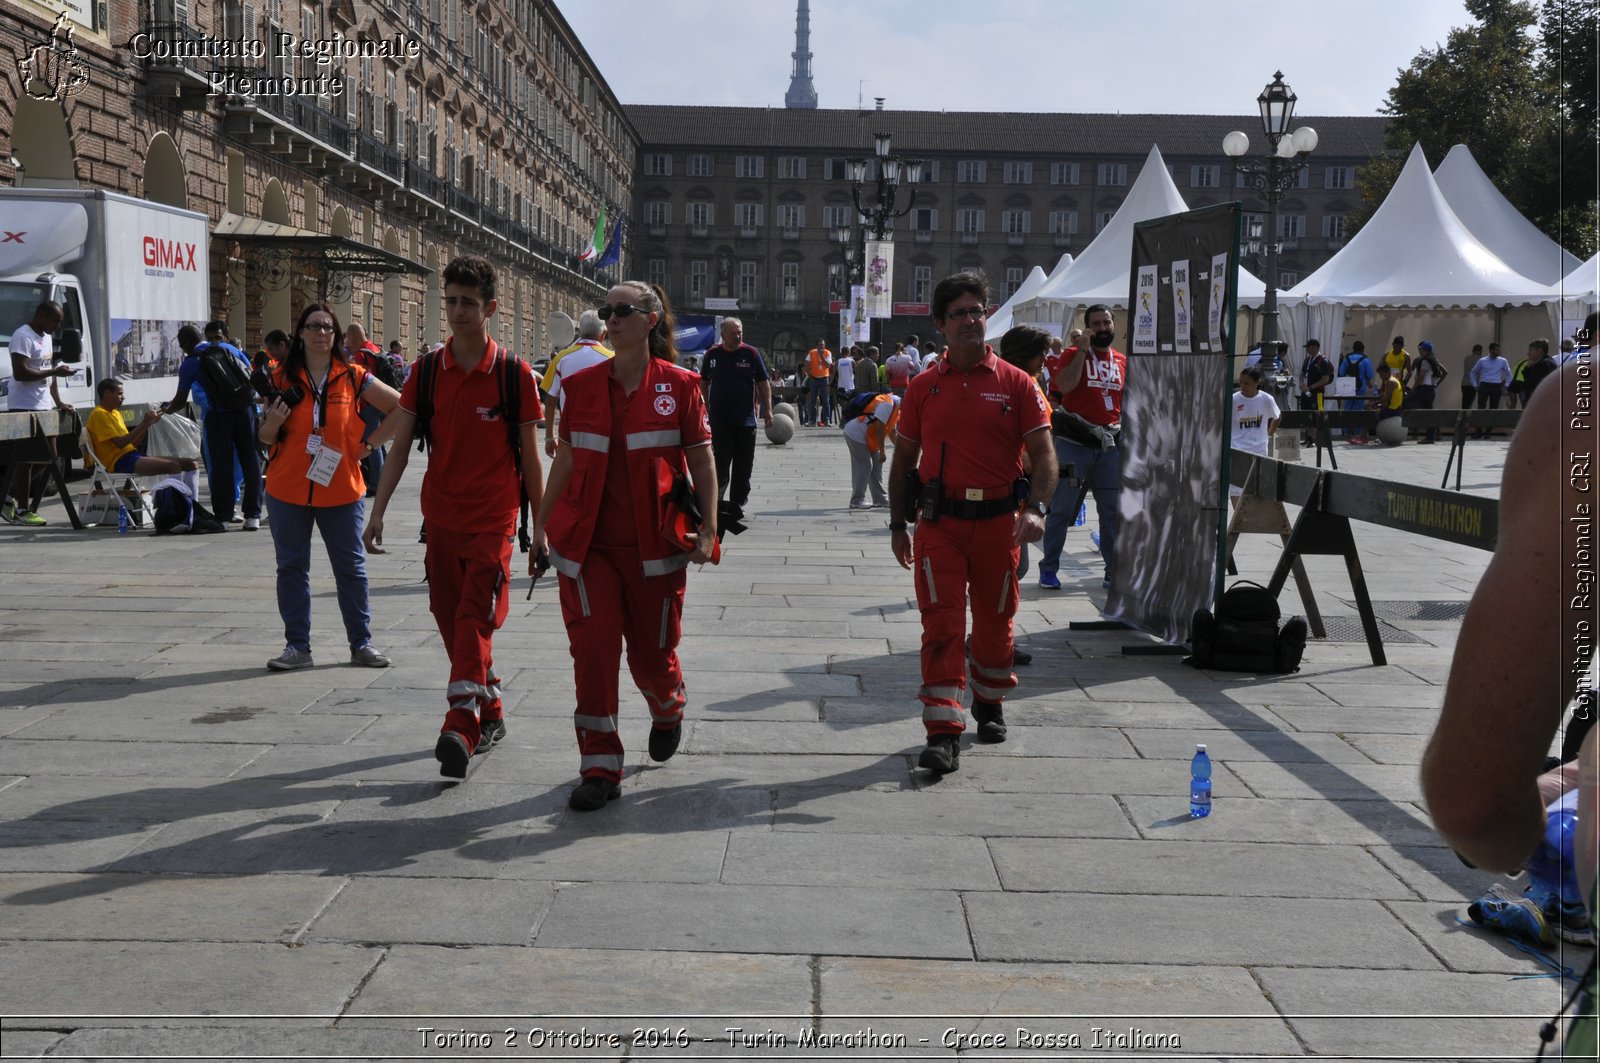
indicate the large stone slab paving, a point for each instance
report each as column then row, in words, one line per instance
column 67, row 845
column 49, row 757
column 1344, row 720
column 825, row 737
column 966, row 1002
column 161, row 907
column 1456, row 1016
column 1383, row 695
column 772, row 770
column 1029, row 708
column 1393, row 782
column 1390, row 749
column 153, row 980
column 13, row 719
column 622, row 856
column 886, row 861
column 679, row 989
column 419, row 829
column 1075, row 775
column 1099, row 928
column 932, row 812
column 1283, row 820
column 1207, row 869
column 761, row 919
column 433, row 911
column 30, row 1044
column 1248, row 745
column 1434, row 872
column 225, row 723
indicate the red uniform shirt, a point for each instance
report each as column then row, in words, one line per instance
column 614, row 525
column 1098, row 396
column 977, row 418
column 472, row 483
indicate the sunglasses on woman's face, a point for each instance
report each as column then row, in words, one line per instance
column 625, row 310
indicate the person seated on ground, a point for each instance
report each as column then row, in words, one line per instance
column 118, row 448
column 1389, row 395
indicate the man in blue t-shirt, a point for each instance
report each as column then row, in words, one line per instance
column 735, row 382
column 1357, row 364
column 230, row 435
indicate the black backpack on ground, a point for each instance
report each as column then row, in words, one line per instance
column 226, row 380
column 177, row 512
column 1244, row 635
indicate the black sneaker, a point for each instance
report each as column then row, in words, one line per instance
column 593, row 793
column 452, row 753
column 665, row 743
column 1020, row 657
column 492, row 732
column 942, row 755
column 991, row 721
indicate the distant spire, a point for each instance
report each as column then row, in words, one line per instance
column 802, row 95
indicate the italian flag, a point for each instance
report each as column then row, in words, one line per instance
column 597, row 242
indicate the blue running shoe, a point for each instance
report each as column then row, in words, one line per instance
column 1094, row 538
column 1049, row 581
column 1509, row 914
column 1568, row 921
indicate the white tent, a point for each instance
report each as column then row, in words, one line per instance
column 1000, row 320
column 1103, row 272
column 1580, row 295
column 1490, row 217
column 1414, row 253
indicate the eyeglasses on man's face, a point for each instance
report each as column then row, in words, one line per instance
column 965, row 312
column 624, row 310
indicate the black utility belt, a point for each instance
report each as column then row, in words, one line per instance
column 962, row 509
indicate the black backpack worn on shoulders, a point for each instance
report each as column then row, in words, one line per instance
column 226, row 380
column 1244, row 635
column 857, row 406
column 510, row 380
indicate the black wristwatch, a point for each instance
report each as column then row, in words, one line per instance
column 897, row 525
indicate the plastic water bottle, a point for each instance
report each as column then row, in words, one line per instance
column 1200, row 783
column 1082, row 517
column 1553, row 867
column 122, row 519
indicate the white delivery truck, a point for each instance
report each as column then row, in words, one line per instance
column 128, row 274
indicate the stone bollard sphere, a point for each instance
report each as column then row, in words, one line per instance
column 1392, row 432
column 781, row 430
column 788, row 409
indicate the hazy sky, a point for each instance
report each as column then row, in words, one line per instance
column 1157, row 56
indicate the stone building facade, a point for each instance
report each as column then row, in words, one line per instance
column 747, row 203
column 343, row 149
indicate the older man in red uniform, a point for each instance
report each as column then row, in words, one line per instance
column 964, row 425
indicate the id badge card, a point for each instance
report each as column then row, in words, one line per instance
column 323, row 466
column 313, row 444
column 1107, row 397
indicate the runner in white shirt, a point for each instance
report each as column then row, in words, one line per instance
column 847, row 371
column 1255, row 418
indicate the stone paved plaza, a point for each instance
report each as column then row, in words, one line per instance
column 200, row 858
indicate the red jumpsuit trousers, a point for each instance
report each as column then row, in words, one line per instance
column 469, row 574
column 957, row 560
column 611, row 602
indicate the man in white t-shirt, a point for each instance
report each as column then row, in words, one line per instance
column 586, row 351
column 1255, row 417
column 846, row 368
column 33, row 387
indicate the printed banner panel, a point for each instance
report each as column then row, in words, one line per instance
column 880, row 278
column 1174, row 443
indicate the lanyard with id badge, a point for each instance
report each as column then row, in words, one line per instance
column 324, row 459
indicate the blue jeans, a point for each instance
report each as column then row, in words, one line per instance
column 819, row 401
column 1103, row 471
column 341, row 535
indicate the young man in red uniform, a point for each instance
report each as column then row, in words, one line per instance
column 964, row 425
column 1088, row 383
column 470, row 499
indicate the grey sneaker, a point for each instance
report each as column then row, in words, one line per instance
column 367, row 657
column 290, row 660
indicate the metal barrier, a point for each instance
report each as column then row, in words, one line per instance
column 1329, row 501
column 26, row 438
column 1321, row 424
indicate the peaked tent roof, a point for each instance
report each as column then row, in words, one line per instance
column 1103, row 272
column 1490, row 217
column 1000, row 320
column 1583, row 282
column 1414, row 251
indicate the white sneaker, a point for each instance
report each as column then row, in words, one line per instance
column 252, row 524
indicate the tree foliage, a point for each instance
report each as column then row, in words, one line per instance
column 1518, row 89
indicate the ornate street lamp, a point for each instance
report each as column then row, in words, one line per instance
column 879, row 208
column 1286, row 157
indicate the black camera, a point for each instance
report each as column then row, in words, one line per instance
column 261, row 380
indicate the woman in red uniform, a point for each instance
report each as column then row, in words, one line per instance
column 627, row 426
